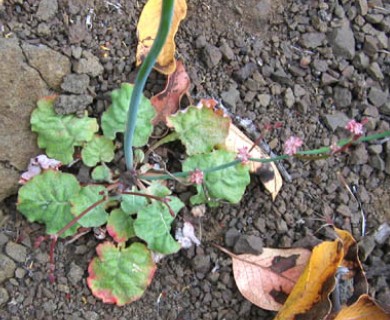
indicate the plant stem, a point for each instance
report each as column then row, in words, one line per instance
column 143, row 73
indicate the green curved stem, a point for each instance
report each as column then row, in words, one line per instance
column 143, row 73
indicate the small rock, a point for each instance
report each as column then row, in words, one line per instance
column 47, row 9
column 335, row 121
column 312, row 40
column 289, row 98
column 227, row 52
column 382, row 234
column 281, row 77
column 327, row 79
column 245, row 72
column 375, row 149
column 363, row 7
column 4, row 296
column 361, row 61
column 201, row 263
column 230, row 98
column 387, row 165
column 281, row 226
column 370, row 46
column 385, row 109
column 264, row 99
column 344, row 210
column 299, row 91
column 75, row 83
column 377, row 97
column 231, row 237
column 200, row 42
column 377, row 162
column 248, row 244
column 43, row 29
column 75, row 274
column 320, row 65
column 371, row 111
column 260, row 224
column 20, row 273
column 71, row 103
column 16, row 251
column 89, row 64
column 366, row 246
column 77, row 52
column 7, row 268
column 212, row 56
column 342, row 97
column 342, row 40
column 374, row 70
column 3, row 238
column 359, row 155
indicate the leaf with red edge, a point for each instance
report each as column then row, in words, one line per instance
column 267, row 279
column 120, row 226
column 120, row 275
column 167, row 102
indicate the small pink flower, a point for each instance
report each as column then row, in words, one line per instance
column 355, row 127
column 334, row 148
column 291, row 145
column 196, row 176
column 243, row 155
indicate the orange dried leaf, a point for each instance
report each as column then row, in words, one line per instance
column 167, row 101
column 267, row 279
column 310, row 297
column 147, row 30
column 268, row 172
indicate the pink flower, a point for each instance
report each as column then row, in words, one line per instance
column 36, row 165
column 243, row 155
column 196, row 176
column 355, row 127
column 291, row 145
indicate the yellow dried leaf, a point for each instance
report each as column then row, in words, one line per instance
column 147, row 30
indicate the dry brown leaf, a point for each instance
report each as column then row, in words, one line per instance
column 267, row 279
column 167, row 101
column 268, row 172
column 363, row 309
column 310, row 297
column 147, row 30
column 352, row 262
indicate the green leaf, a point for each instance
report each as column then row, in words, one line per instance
column 114, row 119
column 132, row 204
column 85, row 198
column 153, row 224
column 99, row 149
column 46, row 199
column 59, row 134
column 102, row 173
column 228, row 184
column 118, row 275
column 200, row 129
column 120, row 226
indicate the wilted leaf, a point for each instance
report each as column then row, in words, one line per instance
column 167, row 102
column 352, row 262
column 363, row 309
column 114, row 119
column 153, row 224
column 59, row 134
column 99, row 149
column 147, row 28
column 102, row 173
column 85, row 198
column 227, row 184
column 120, row 226
column 309, row 298
column 200, row 129
column 119, row 275
column 46, row 199
column 268, row 172
column 267, row 279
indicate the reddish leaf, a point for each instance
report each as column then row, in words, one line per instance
column 267, row 279
column 167, row 101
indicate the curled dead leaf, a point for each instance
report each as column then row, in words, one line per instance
column 147, row 30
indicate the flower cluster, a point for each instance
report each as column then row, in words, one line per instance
column 355, row 127
column 243, row 155
column 291, row 145
column 196, row 176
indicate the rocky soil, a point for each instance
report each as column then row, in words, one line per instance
column 309, row 64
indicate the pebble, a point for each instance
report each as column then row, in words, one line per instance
column 7, row 268
column 363, row 7
column 312, row 40
column 4, row 296
column 366, row 246
column 382, row 233
column 16, row 251
column 227, row 52
column 88, row 64
column 72, row 103
column 335, row 121
column 385, row 108
column 212, row 56
column 359, row 155
column 377, row 162
column 377, row 97
column 75, row 274
column 75, row 83
column 264, row 99
column 245, row 72
column 289, row 98
column 201, row 263
column 230, row 98
column 342, row 40
column 248, row 244
column 374, row 70
column 231, row 237
column 47, row 9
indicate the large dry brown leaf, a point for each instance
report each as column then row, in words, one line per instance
column 167, row 102
column 267, row 279
column 363, row 309
column 147, row 30
column 310, row 297
column 268, row 172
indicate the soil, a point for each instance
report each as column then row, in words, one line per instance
column 288, row 61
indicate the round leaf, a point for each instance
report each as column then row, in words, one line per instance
column 227, row 184
column 114, row 119
column 102, row 173
column 85, row 198
column 120, row 226
column 99, row 149
column 46, row 199
column 59, row 134
column 118, row 275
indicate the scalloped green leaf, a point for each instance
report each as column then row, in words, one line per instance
column 120, row 226
column 200, row 129
column 99, row 149
column 153, row 224
column 228, row 184
column 46, row 199
column 132, row 204
column 102, row 173
column 86, row 197
column 59, row 134
column 120, row 275
column 114, row 119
